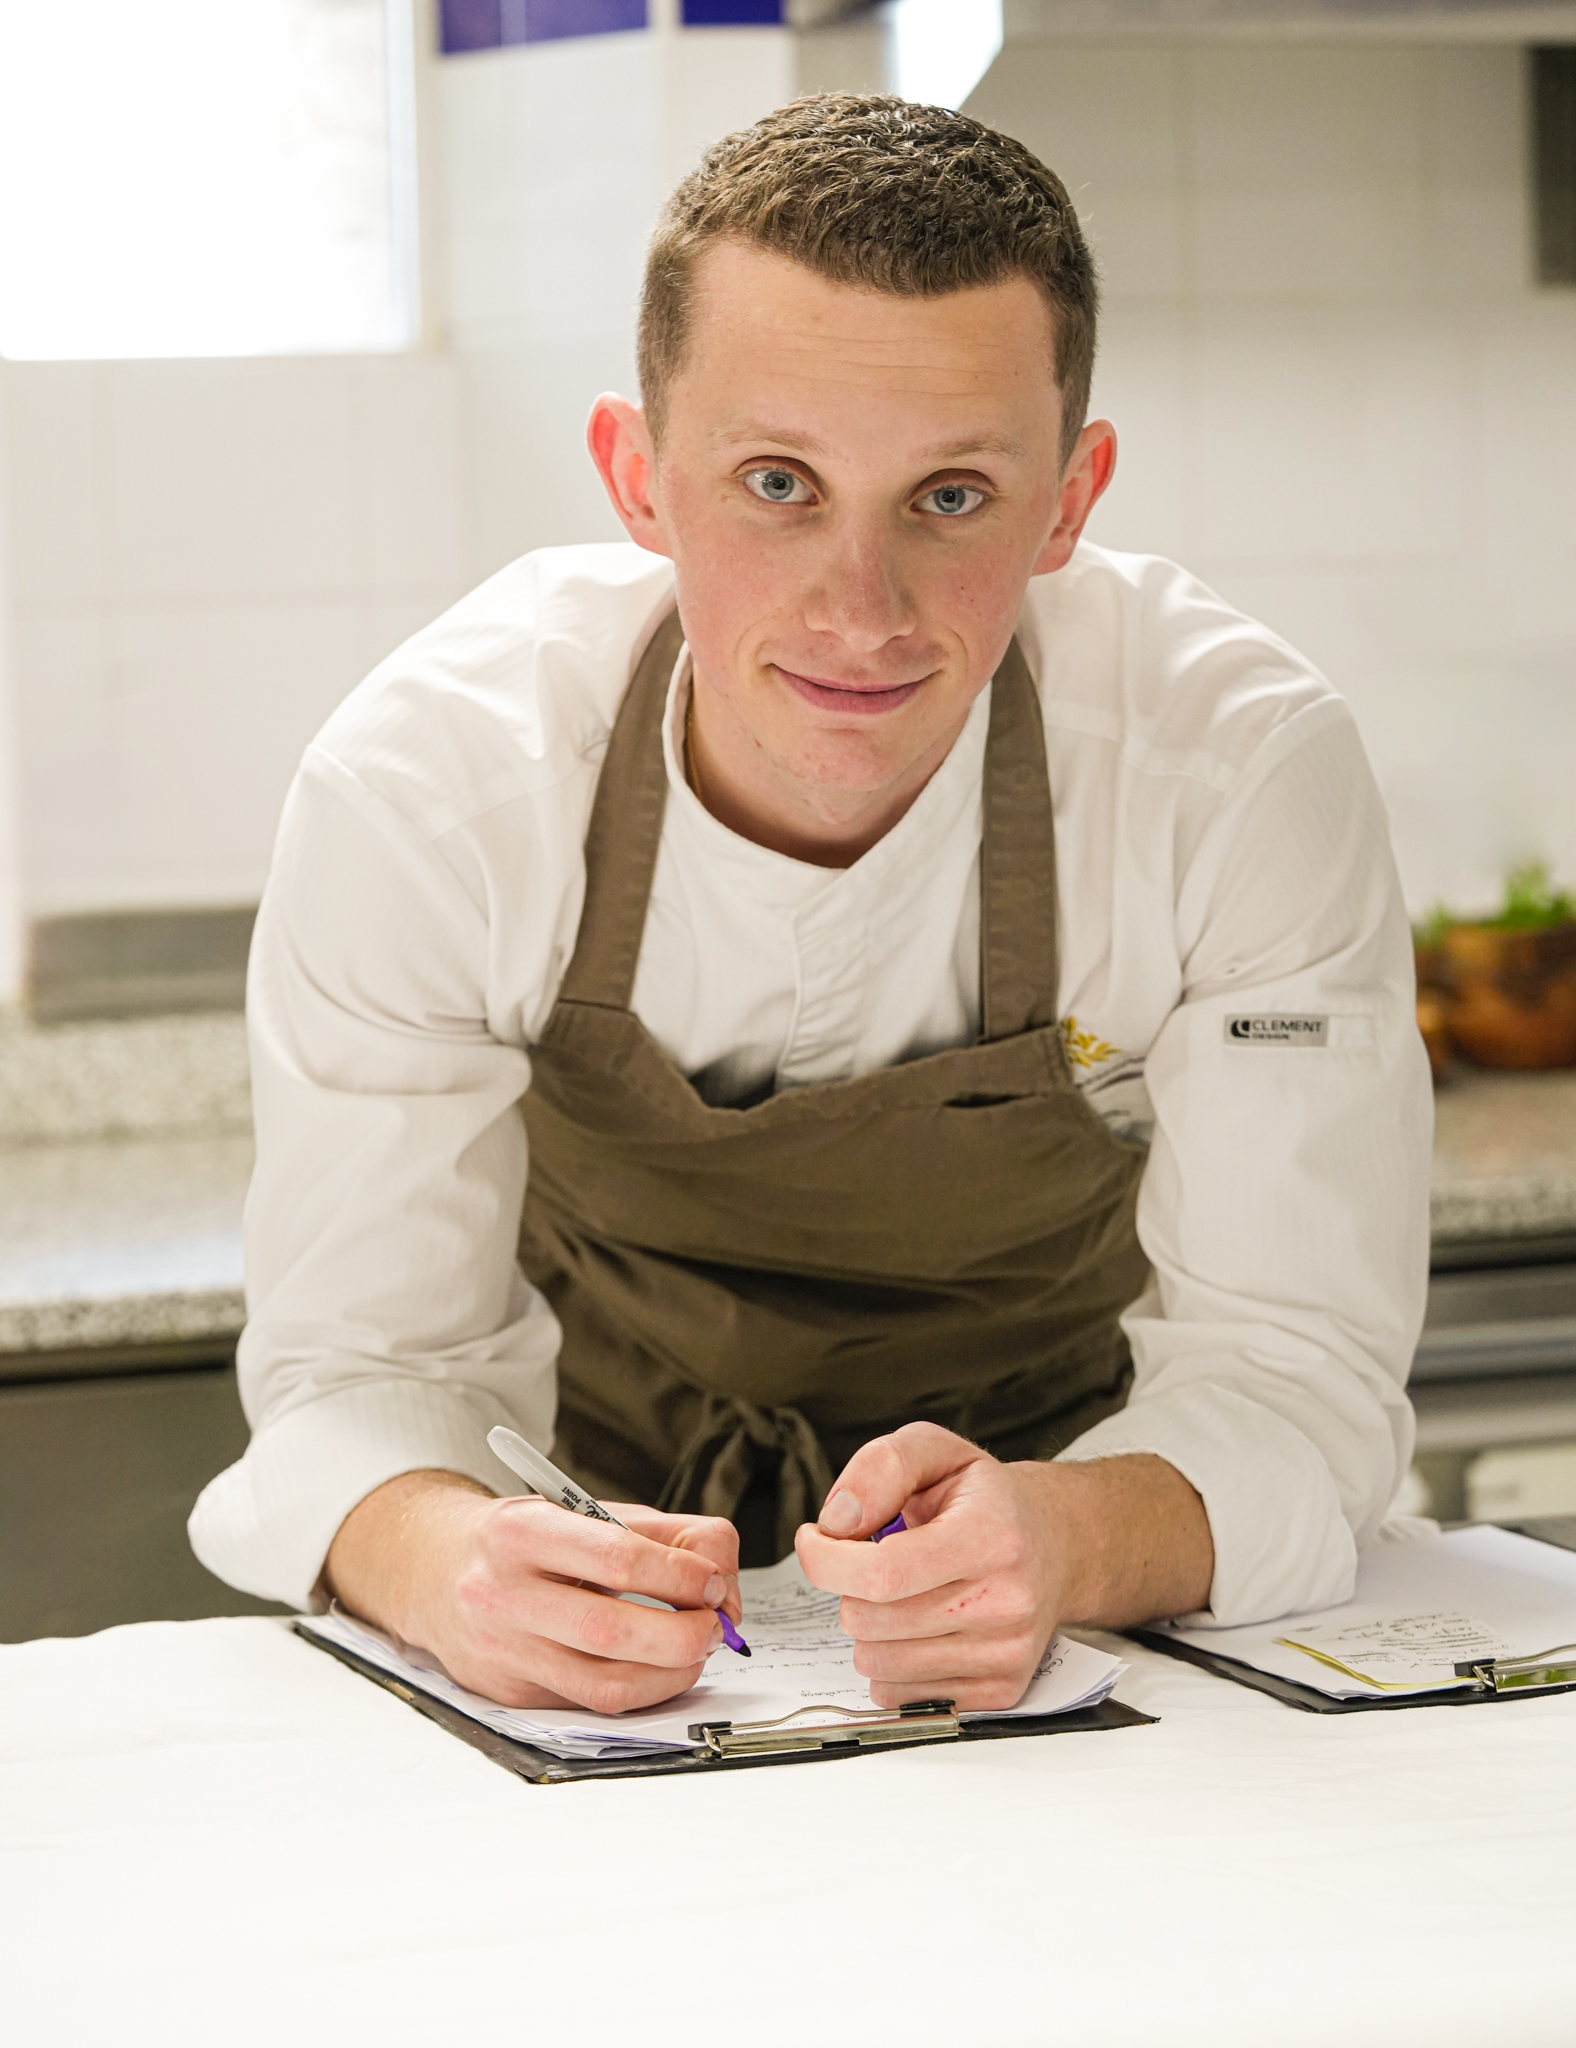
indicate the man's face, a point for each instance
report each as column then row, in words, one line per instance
column 854, row 489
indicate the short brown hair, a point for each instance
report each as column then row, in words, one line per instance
column 885, row 196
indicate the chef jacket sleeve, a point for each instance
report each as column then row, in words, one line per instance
column 388, row 1325
column 1284, row 1207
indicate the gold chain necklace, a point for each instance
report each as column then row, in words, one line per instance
column 689, row 749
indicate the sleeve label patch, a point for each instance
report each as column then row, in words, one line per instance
column 1278, row 1030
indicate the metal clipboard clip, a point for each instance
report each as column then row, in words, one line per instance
column 859, row 1728
column 1523, row 1674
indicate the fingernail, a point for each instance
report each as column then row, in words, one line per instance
column 842, row 1514
column 716, row 1590
column 716, row 1639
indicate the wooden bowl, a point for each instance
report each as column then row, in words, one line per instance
column 1511, row 996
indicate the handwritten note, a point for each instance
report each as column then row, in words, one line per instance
column 1399, row 1652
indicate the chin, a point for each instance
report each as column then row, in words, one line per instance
column 854, row 763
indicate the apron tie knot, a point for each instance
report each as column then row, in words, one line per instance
column 728, row 1443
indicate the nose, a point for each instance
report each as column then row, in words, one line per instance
column 858, row 593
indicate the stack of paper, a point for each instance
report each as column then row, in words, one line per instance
column 800, row 1658
column 1420, row 1608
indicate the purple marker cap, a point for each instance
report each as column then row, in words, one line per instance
column 731, row 1636
column 893, row 1528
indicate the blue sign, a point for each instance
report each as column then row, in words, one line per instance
column 495, row 24
column 730, row 13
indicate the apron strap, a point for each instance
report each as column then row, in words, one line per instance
column 1018, row 961
column 1018, row 958
column 625, row 833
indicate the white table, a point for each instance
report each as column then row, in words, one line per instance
column 214, row 1833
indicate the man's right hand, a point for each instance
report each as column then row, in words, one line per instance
column 512, row 1595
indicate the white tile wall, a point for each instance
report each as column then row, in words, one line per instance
column 199, row 693
column 550, row 188
column 409, row 516
column 202, row 557
column 57, row 517
column 1524, row 427
column 1147, row 376
column 1110, row 122
column 529, row 480
column 1475, row 149
column 1340, row 397
column 1317, row 436
column 1305, row 168
column 198, row 466
column 714, row 82
column 557, row 159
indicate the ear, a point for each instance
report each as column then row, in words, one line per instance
column 1089, row 470
column 620, row 445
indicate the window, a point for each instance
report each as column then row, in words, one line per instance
column 204, row 177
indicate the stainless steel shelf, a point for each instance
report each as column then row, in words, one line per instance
column 1503, row 1320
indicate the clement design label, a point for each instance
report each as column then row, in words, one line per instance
column 1278, row 1030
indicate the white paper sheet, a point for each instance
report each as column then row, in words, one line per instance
column 799, row 1658
column 1418, row 1608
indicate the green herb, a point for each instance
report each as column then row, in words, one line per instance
column 1532, row 904
column 1432, row 930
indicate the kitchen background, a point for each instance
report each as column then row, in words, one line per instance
column 299, row 323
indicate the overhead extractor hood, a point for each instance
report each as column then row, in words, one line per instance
column 1497, row 21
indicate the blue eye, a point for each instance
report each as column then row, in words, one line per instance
column 951, row 500
column 778, row 486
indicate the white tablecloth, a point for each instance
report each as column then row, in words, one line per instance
column 214, row 1833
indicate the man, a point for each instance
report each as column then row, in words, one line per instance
column 736, row 1029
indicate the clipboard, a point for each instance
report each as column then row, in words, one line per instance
column 1311, row 1701
column 744, row 1745
column 1507, row 1678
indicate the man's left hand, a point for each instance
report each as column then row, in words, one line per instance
column 994, row 1557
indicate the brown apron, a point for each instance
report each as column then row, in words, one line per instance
column 747, row 1295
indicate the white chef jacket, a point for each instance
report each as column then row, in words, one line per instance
column 1236, row 985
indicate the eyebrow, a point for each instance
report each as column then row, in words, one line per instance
column 810, row 444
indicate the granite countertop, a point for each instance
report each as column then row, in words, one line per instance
column 1504, row 1155
column 121, row 1241
column 132, row 1236
column 137, row 1076
column 125, row 1150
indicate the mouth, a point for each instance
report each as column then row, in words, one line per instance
column 863, row 700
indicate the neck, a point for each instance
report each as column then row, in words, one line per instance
column 823, row 824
